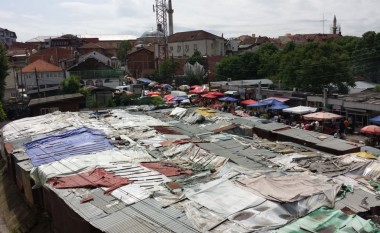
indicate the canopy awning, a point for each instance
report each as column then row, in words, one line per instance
column 300, row 110
column 321, row 116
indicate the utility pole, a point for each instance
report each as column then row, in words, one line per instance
column 38, row 86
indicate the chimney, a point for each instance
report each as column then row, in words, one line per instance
column 253, row 35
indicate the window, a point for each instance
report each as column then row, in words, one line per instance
column 179, row 48
column 171, row 48
column 195, row 47
column 186, row 48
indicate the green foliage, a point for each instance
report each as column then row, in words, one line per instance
column 3, row 115
column 366, row 59
column 71, row 85
column 122, row 50
column 91, row 101
column 111, row 103
column 196, row 57
column 377, row 88
column 308, row 67
column 315, row 66
column 167, row 70
column 4, row 67
column 155, row 100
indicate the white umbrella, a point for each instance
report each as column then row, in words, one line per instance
column 300, row 110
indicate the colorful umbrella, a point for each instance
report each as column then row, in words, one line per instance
column 166, row 86
column 258, row 104
column 278, row 106
column 228, row 99
column 184, row 87
column 248, row 101
column 321, row 116
column 179, row 98
column 209, row 96
column 152, row 84
column 216, row 93
column 197, row 90
column 153, row 93
column 195, row 86
column 371, row 129
column 169, row 97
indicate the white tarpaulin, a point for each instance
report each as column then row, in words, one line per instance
column 291, row 188
column 300, row 110
column 223, row 197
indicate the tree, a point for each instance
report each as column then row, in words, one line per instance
column 196, row 57
column 122, row 51
column 315, row 66
column 71, row 85
column 268, row 64
column 167, row 70
column 366, row 58
column 238, row 67
column 4, row 67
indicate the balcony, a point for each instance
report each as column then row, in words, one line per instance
column 96, row 74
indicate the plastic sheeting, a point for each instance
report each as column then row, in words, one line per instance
column 73, row 165
column 223, row 197
column 97, row 177
column 178, row 112
column 264, row 217
column 290, row 188
column 70, row 143
column 329, row 220
column 130, row 194
column 121, row 119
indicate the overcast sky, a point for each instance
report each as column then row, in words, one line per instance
column 32, row 18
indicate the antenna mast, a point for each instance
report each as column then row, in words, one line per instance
column 161, row 17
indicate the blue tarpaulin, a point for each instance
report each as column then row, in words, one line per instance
column 278, row 106
column 228, row 99
column 70, row 143
column 375, row 120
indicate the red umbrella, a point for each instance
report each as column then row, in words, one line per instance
column 153, row 93
column 197, row 90
column 195, row 86
column 321, row 116
column 169, row 97
column 209, row 96
column 248, row 101
column 216, row 93
column 371, row 129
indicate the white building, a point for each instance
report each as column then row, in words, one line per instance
column 184, row 44
column 40, row 76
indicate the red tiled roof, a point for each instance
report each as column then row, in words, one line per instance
column 40, row 66
column 254, row 40
column 192, row 36
column 51, row 55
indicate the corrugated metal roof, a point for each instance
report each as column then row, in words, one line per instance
column 272, row 126
column 146, row 216
column 354, row 201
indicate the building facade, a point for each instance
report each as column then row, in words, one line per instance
column 7, row 37
column 184, row 44
column 40, row 78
